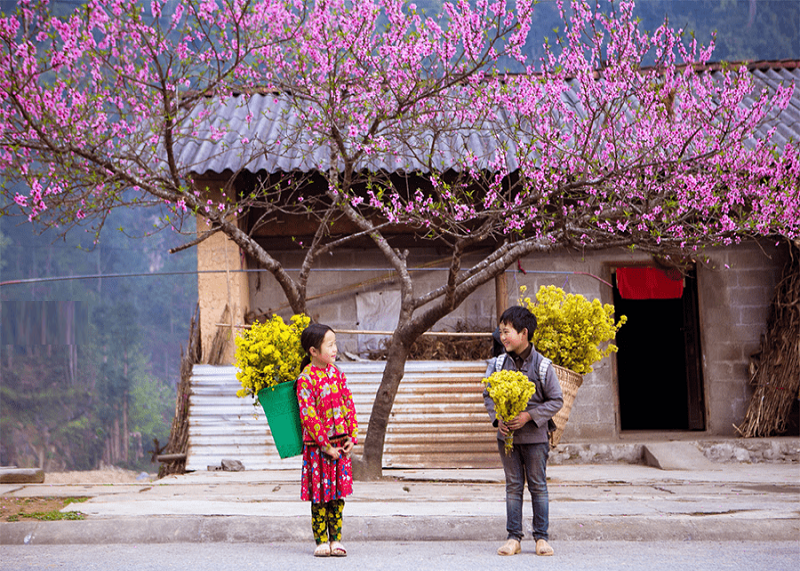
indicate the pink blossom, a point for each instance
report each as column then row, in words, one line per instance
column 589, row 146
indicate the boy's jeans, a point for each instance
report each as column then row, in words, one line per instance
column 526, row 461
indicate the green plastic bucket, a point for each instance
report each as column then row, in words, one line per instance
column 283, row 415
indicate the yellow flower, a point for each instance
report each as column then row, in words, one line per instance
column 269, row 353
column 510, row 391
column 570, row 329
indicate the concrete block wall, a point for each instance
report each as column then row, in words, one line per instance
column 336, row 273
column 595, row 412
column 736, row 288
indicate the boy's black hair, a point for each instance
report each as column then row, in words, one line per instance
column 520, row 318
column 497, row 345
column 312, row 336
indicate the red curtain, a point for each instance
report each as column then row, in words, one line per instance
column 648, row 283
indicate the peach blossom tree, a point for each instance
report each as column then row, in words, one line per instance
column 376, row 111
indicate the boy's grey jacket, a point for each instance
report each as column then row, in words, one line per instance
column 543, row 405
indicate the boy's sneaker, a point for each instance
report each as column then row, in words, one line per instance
column 543, row 548
column 511, row 547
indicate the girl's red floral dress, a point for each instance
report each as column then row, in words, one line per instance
column 328, row 416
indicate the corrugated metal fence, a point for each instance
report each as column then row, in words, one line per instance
column 438, row 419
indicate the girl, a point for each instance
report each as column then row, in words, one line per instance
column 330, row 431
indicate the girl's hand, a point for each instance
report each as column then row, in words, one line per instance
column 348, row 446
column 331, row 451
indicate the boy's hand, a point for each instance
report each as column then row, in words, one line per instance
column 519, row 421
column 504, row 430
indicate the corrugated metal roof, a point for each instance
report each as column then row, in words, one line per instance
column 261, row 118
column 270, row 124
column 438, row 419
column 788, row 122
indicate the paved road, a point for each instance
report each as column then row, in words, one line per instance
column 749, row 555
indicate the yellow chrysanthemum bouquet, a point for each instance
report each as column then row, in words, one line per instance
column 269, row 353
column 572, row 331
column 510, row 391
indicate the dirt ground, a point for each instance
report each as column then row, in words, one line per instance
column 105, row 476
column 19, row 508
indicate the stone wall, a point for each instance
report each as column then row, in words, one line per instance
column 781, row 450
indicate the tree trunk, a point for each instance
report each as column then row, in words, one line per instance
column 125, row 434
column 409, row 328
column 69, row 327
column 43, row 328
column 73, row 362
column 124, row 440
column 115, row 441
column 369, row 466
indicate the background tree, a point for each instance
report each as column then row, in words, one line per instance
column 587, row 150
column 746, row 30
column 57, row 407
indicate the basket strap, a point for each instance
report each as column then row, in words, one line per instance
column 545, row 363
column 551, row 424
column 543, row 369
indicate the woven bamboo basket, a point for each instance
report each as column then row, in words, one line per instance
column 570, row 382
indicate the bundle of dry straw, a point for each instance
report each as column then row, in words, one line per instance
column 775, row 369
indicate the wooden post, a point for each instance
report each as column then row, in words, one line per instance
column 500, row 294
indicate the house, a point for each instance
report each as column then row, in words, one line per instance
column 683, row 357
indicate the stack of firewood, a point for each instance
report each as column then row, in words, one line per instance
column 446, row 348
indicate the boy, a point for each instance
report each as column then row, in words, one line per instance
column 528, row 458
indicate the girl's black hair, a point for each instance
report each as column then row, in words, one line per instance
column 312, row 336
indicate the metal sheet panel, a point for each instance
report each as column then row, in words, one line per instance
column 438, row 419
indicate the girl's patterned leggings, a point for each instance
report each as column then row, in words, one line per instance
column 326, row 518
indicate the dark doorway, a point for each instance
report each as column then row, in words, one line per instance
column 658, row 362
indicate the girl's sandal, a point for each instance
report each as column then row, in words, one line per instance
column 338, row 550
column 322, row 550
